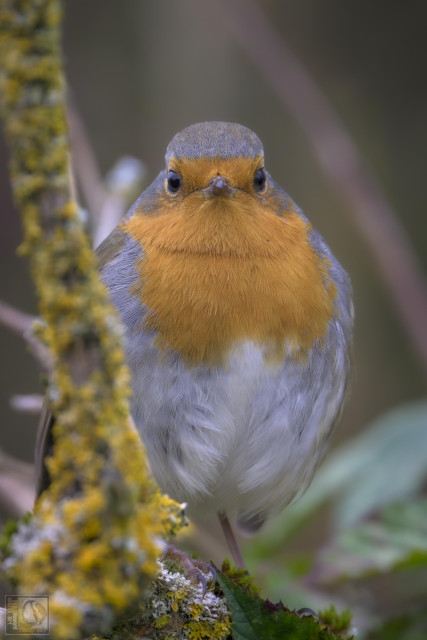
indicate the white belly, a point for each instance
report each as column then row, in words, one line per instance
column 246, row 437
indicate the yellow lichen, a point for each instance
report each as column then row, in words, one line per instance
column 195, row 610
column 65, row 620
column 160, row 622
column 179, row 608
column 93, row 538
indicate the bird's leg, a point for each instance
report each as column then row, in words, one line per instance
column 231, row 540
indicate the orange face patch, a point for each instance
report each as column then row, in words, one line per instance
column 220, row 270
column 196, row 174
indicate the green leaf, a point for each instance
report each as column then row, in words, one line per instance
column 255, row 619
column 393, row 464
column 396, row 539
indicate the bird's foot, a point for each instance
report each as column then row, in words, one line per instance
column 198, row 572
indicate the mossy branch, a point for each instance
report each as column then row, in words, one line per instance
column 93, row 542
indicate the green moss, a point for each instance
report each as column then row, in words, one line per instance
column 7, row 533
column 240, row 577
column 338, row 623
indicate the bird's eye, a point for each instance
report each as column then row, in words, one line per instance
column 259, row 180
column 174, row 181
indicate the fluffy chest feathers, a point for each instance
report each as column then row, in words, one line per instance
column 220, row 273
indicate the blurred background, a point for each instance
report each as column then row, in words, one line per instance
column 138, row 72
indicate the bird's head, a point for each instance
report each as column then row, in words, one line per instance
column 225, row 255
column 212, row 162
column 215, row 197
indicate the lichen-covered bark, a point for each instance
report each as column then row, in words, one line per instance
column 176, row 609
column 93, row 542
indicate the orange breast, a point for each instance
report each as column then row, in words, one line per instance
column 217, row 271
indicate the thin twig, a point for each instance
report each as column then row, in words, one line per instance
column 85, row 166
column 106, row 200
column 339, row 157
column 18, row 321
column 123, row 184
column 22, row 324
column 30, row 403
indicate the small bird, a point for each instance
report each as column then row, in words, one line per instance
column 238, row 322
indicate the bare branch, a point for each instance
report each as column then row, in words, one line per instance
column 39, row 351
column 22, row 324
column 124, row 183
column 31, row 403
column 18, row 321
column 85, row 166
column 106, row 200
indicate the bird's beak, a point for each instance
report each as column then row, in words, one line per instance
column 218, row 186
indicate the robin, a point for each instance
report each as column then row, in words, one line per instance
column 238, row 324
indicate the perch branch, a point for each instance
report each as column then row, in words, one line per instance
column 101, row 518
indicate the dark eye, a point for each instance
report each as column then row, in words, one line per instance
column 259, row 180
column 174, row 181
